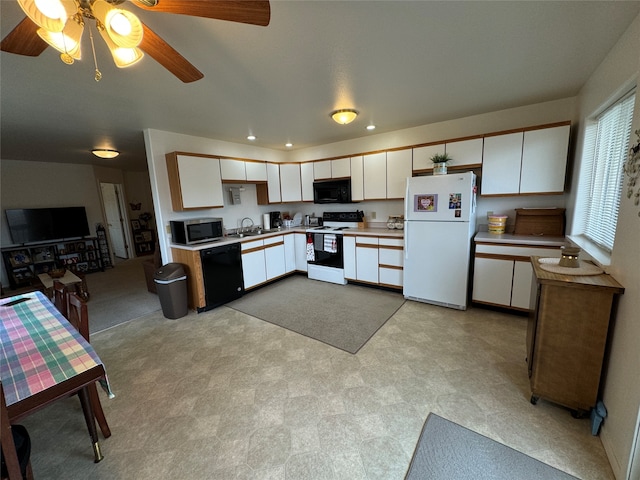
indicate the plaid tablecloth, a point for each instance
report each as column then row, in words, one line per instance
column 40, row 348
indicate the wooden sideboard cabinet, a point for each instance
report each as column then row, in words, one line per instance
column 567, row 336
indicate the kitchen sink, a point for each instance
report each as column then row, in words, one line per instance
column 244, row 234
column 252, row 233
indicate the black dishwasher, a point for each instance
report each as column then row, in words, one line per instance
column 222, row 271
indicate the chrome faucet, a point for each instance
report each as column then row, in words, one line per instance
column 242, row 223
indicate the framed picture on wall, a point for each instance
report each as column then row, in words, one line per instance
column 135, row 224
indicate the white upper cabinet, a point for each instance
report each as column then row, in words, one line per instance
column 256, row 171
column 194, row 182
column 399, row 167
column 273, row 182
column 306, row 177
column 341, row 168
column 501, row 165
column 422, row 156
column 322, row 170
column 533, row 161
column 290, row 183
column 357, row 178
column 233, row 169
column 464, row 152
column 544, row 160
column 375, row 176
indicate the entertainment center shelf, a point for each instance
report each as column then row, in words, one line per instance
column 24, row 263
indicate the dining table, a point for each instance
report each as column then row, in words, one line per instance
column 44, row 359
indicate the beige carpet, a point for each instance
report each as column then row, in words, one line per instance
column 118, row 295
column 343, row 316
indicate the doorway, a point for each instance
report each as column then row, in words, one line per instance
column 113, row 202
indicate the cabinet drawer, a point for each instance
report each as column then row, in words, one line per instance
column 391, row 242
column 390, row 276
column 524, row 251
column 273, row 240
column 361, row 240
column 388, row 256
column 253, row 245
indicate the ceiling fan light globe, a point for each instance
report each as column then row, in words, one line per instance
column 49, row 14
column 122, row 57
column 126, row 57
column 67, row 41
column 123, row 27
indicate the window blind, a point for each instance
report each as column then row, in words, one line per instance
column 606, row 146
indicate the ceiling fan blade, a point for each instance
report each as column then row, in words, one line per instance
column 165, row 55
column 254, row 12
column 23, row 40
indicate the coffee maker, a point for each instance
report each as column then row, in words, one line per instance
column 276, row 220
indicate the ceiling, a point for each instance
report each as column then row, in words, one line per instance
column 399, row 63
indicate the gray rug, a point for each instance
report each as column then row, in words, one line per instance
column 343, row 316
column 447, row 451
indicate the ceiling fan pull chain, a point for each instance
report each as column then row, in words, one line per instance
column 98, row 75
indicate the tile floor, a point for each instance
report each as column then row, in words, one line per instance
column 222, row 395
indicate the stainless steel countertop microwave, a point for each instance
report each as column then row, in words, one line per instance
column 196, row 230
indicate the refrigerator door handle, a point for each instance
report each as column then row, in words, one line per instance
column 406, row 245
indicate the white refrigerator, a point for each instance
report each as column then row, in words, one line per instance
column 439, row 224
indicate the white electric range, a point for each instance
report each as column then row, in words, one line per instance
column 325, row 259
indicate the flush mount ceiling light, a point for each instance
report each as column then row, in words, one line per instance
column 105, row 153
column 344, row 115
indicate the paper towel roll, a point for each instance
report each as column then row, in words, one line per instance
column 266, row 221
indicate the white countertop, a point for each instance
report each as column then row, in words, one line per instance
column 301, row 229
column 509, row 238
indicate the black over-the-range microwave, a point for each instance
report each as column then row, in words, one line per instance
column 332, row 191
column 198, row 230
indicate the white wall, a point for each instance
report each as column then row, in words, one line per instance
column 43, row 184
column 618, row 71
column 26, row 184
column 158, row 143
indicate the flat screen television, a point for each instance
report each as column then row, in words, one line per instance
column 30, row 225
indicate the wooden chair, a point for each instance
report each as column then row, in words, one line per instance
column 18, row 463
column 60, row 297
column 78, row 316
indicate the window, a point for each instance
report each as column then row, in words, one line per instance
column 605, row 151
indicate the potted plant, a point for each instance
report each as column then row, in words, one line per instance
column 440, row 163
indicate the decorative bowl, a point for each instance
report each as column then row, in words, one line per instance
column 57, row 273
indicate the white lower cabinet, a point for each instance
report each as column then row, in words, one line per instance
column 503, row 275
column 349, row 256
column 289, row 253
column 390, row 261
column 367, row 259
column 300, row 242
column 374, row 259
column 274, row 257
column 254, row 268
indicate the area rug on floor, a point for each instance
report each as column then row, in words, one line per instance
column 447, row 450
column 343, row 316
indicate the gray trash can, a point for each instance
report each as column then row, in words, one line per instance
column 171, row 283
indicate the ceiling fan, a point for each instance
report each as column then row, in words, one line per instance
column 60, row 23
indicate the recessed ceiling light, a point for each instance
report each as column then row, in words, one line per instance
column 371, row 127
column 105, row 153
column 251, row 137
column 288, row 145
